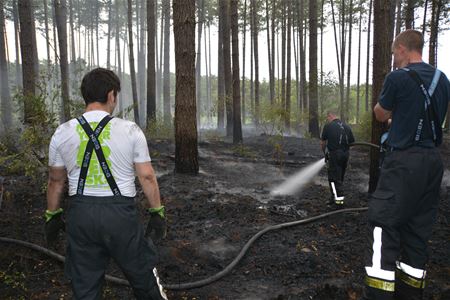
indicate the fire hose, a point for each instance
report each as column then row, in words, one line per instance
column 202, row 282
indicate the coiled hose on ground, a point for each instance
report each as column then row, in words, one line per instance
column 202, row 282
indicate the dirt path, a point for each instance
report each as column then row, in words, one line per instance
column 212, row 215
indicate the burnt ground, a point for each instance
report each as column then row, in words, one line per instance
column 210, row 218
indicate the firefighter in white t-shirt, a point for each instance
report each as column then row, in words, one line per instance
column 100, row 155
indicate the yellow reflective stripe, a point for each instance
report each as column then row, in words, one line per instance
column 414, row 282
column 380, row 284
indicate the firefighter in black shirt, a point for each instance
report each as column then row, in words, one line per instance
column 335, row 140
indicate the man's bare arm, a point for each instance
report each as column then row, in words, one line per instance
column 323, row 144
column 55, row 188
column 147, row 179
column 382, row 114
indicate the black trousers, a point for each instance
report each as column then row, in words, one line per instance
column 100, row 228
column 402, row 211
column 337, row 164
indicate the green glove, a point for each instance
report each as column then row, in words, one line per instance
column 53, row 224
column 156, row 228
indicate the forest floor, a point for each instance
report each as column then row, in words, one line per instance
column 211, row 216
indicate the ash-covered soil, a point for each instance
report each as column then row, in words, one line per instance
column 212, row 215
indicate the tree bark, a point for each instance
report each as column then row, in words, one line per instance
column 47, row 37
column 198, row 64
column 347, row 96
column 141, row 64
column 382, row 41
column 225, row 10
column 434, row 30
column 237, row 126
column 6, row 110
column 398, row 19
column 220, row 76
column 119, row 63
column 303, row 87
column 108, row 36
column 28, row 50
column 313, row 105
column 151, row 67
column 283, row 57
column 132, row 67
column 166, row 75
column 61, row 23
column 368, row 55
column 287, row 108
column 255, row 55
column 186, row 150
column 17, row 44
column 409, row 14
column 358, row 77
column 244, row 33
column 269, row 56
column 72, row 32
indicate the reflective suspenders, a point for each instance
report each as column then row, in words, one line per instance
column 429, row 113
column 94, row 144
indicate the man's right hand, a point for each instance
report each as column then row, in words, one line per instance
column 157, row 227
column 53, row 225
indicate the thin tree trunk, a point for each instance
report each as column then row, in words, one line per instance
column 186, row 149
column 287, row 108
column 255, row 55
column 303, row 86
column 347, row 96
column 342, row 73
column 6, row 107
column 61, row 23
column 358, row 77
column 220, row 76
column 108, row 36
column 225, row 10
column 141, row 64
column 269, row 56
column 424, row 25
column 132, row 68
column 368, row 55
column 151, row 33
column 17, row 44
column 159, row 79
column 313, row 104
column 321, row 62
column 272, row 62
column 283, row 56
column 119, row 63
column 198, row 64
column 166, row 83
column 237, row 127
column 47, row 37
column 252, row 86
column 434, row 30
column 398, row 21
column 244, row 33
column 72, row 33
column 209, row 76
column 296, row 60
column 382, row 39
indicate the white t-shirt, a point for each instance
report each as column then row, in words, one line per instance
column 123, row 144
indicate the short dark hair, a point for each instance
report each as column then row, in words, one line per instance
column 411, row 39
column 97, row 83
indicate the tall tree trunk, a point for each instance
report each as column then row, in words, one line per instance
column 108, row 36
column 252, row 83
column 166, row 82
column 269, row 56
column 368, row 55
column 17, row 44
column 313, row 105
column 424, row 17
column 209, row 76
column 6, row 111
column 409, row 14
column 237, row 127
column 27, row 47
column 255, row 55
column 151, row 33
column 350, row 27
column 198, row 64
column 398, row 19
column 220, row 75
column 382, row 41
column 434, row 30
column 283, row 56
column 225, row 10
column 61, row 23
column 160, row 65
column 297, row 58
column 244, row 34
column 343, row 42
column 72, row 32
column 287, row 108
column 119, row 63
column 186, row 150
column 97, row 21
column 303, row 87
column 141, row 64
column 358, row 77
column 132, row 68
column 47, row 37
column 321, row 61
column 55, row 39
column 272, row 58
